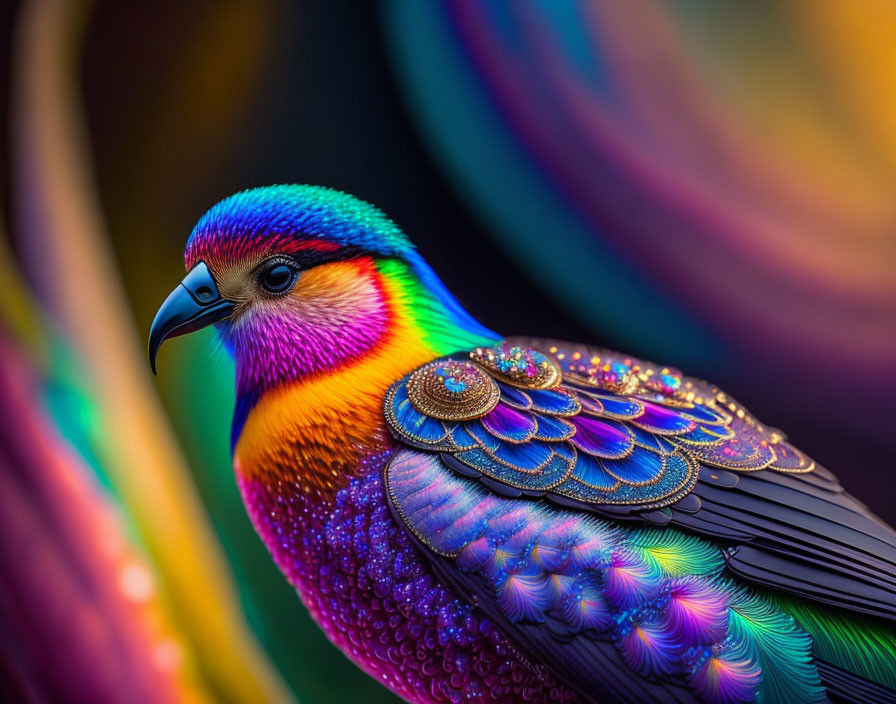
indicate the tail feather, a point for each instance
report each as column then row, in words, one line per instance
column 855, row 655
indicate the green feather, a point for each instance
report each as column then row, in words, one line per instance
column 852, row 642
column 783, row 650
column 433, row 312
column 675, row 554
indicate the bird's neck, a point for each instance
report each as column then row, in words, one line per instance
column 315, row 430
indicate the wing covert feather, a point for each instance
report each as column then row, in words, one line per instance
column 589, row 429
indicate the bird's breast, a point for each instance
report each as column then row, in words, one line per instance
column 315, row 432
column 316, row 446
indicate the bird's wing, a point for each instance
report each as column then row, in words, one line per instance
column 620, row 612
column 624, row 439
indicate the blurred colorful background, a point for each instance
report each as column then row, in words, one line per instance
column 706, row 184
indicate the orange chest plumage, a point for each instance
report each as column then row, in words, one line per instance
column 313, row 433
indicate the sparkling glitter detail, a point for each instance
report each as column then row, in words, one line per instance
column 659, row 596
column 450, row 389
column 617, row 377
column 700, row 419
column 368, row 587
column 519, row 366
column 626, row 377
column 665, row 383
column 614, row 431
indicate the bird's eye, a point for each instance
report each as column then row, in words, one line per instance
column 278, row 278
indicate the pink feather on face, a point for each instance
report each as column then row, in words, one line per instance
column 335, row 314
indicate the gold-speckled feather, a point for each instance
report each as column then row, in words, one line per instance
column 580, row 424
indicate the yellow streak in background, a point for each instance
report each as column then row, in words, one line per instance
column 63, row 221
column 856, row 45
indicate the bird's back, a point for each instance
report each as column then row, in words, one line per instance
column 630, row 525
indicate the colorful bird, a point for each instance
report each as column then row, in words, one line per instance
column 470, row 518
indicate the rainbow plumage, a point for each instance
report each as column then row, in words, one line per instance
column 475, row 519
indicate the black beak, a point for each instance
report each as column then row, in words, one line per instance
column 194, row 304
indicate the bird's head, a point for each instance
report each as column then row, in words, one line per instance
column 304, row 279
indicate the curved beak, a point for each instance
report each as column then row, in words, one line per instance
column 194, row 304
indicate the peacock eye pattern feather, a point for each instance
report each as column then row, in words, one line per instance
column 659, row 596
